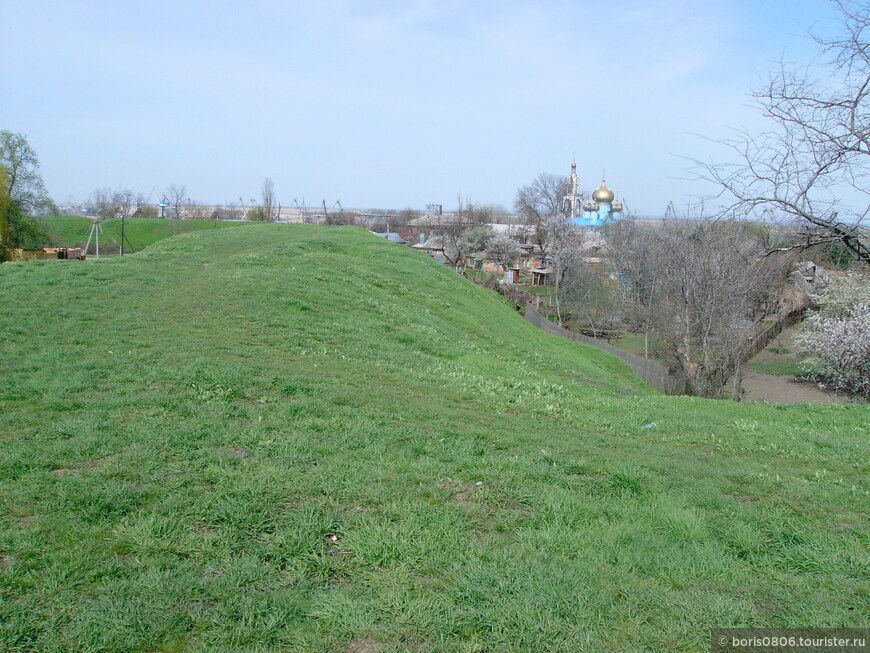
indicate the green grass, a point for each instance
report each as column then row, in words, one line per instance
column 72, row 231
column 780, row 361
column 182, row 430
column 634, row 343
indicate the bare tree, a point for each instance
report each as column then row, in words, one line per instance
column 268, row 195
column 591, row 302
column 140, row 206
column 451, row 228
column 229, row 211
column 195, row 210
column 176, row 195
column 404, row 217
column 542, row 204
column 119, row 203
column 123, row 202
column 637, row 273
column 479, row 214
column 559, row 241
column 101, row 201
column 707, row 286
column 818, row 146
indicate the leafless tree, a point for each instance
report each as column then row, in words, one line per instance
column 404, row 217
column 195, row 210
column 140, row 206
column 708, row 286
column 268, row 195
column 123, row 202
column 120, row 203
column 229, row 211
column 590, row 299
column 176, row 195
column 637, row 273
column 112, row 204
column 818, row 146
column 102, row 202
column 479, row 214
column 450, row 229
column 542, row 204
column 559, row 241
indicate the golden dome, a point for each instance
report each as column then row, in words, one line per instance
column 617, row 207
column 603, row 194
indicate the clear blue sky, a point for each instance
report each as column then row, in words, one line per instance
column 386, row 104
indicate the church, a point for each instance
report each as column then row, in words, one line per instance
column 594, row 212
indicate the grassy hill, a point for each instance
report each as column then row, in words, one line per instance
column 306, row 438
column 73, row 230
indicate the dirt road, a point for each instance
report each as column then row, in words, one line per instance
column 783, row 389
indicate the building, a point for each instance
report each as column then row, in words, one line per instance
column 595, row 211
column 390, row 235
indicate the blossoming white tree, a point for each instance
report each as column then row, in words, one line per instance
column 838, row 338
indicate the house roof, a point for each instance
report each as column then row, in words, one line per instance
column 445, row 220
column 433, row 243
column 391, row 235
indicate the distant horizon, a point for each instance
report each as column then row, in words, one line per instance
column 314, row 211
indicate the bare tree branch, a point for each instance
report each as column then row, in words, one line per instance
column 818, row 146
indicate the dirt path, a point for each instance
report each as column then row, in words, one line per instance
column 783, row 389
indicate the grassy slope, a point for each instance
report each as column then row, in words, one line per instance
column 72, row 231
column 182, row 430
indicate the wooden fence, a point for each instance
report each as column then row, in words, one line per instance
column 763, row 339
column 655, row 374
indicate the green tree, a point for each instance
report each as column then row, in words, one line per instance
column 23, row 179
column 5, row 208
column 26, row 232
column 475, row 239
column 22, row 191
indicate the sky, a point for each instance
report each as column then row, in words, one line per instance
column 388, row 104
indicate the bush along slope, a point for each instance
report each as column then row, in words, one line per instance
column 307, row 438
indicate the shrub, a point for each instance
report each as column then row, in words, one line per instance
column 257, row 214
column 843, row 294
column 839, row 348
column 516, row 295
